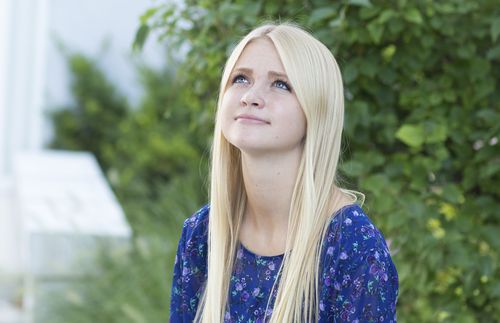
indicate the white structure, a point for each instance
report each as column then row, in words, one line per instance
column 46, row 198
column 66, row 208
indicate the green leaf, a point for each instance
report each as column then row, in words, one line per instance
column 412, row 135
column 376, row 30
column 361, row 3
column 375, row 183
column 495, row 29
column 337, row 22
column 321, row 14
column 413, row 15
column 253, row 8
column 353, row 168
column 493, row 53
column 490, row 169
column 147, row 15
column 369, row 66
column 452, row 193
column 385, row 16
column 436, row 132
column 495, row 287
column 140, row 37
column 350, row 73
column 388, row 52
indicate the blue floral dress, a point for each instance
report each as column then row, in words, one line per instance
column 359, row 282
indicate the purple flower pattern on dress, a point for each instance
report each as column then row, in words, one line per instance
column 358, row 280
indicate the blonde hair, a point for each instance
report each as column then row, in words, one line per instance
column 316, row 79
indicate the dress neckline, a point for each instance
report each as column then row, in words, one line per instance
column 254, row 255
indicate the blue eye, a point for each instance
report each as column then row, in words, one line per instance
column 240, row 79
column 282, row 85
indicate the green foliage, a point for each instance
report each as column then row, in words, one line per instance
column 129, row 286
column 151, row 158
column 142, row 150
column 97, row 105
column 422, row 126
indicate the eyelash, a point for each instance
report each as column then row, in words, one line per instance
column 238, row 76
column 286, row 87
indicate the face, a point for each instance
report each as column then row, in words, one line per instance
column 260, row 112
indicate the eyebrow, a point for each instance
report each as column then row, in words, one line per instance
column 270, row 73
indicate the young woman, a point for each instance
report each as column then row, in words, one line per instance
column 280, row 241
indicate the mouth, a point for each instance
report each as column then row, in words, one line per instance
column 247, row 118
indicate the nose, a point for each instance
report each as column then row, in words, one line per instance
column 252, row 98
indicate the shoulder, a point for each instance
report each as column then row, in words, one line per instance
column 190, row 267
column 352, row 239
column 197, row 221
column 192, row 250
column 358, row 277
column 351, row 228
column 195, row 229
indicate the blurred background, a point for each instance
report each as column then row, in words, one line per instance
column 106, row 114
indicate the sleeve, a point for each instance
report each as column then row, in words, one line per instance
column 367, row 280
column 189, row 272
column 178, row 290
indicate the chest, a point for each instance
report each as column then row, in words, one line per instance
column 251, row 293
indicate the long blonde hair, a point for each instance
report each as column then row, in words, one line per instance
column 316, row 79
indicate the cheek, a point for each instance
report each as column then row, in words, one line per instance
column 229, row 103
column 298, row 118
column 226, row 114
column 302, row 129
column 300, row 123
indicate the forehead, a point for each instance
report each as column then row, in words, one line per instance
column 260, row 53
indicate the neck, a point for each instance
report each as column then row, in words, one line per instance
column 269, row 182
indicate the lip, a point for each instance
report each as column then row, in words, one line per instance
column 250, row 119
